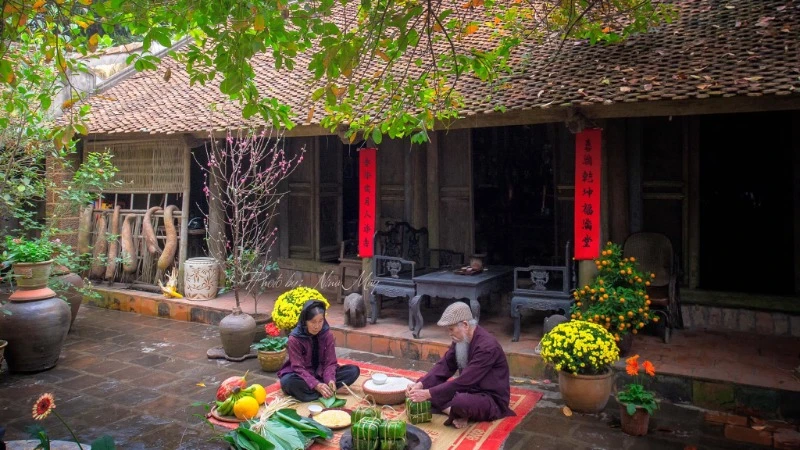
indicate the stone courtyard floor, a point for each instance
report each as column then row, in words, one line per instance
column 136, row 377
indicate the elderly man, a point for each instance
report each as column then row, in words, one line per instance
column 482, row 390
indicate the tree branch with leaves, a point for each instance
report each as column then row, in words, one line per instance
column 243, row 177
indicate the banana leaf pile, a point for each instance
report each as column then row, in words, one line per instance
column 285, row 430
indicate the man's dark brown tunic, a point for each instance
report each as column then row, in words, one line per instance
column 482, row 392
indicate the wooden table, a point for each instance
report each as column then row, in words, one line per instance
column 446, row 284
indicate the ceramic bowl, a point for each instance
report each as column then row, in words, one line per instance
column 314, row 409
column 379, row 378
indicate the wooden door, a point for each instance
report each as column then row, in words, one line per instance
column 330, row 197
column 455, row 191
column 301, row 210
column 391, row 182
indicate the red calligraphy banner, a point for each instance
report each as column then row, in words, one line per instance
column 588, row 171
column 366, row 201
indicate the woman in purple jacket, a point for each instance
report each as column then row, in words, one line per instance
column 312, row 370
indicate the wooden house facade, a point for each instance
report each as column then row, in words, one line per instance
column 700, row 124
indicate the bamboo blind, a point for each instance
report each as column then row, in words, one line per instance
column 146, row 166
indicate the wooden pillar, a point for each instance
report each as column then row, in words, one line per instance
column 634, row 154
column 432, row 170
column 795, row 142
column 692, row 149
column 183, row 245
column 617, row 182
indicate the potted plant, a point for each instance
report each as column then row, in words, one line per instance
column 31, row 260
column 289, row 305
column 582, row 352
column 636, row 403
column 616, row 299
column 271, row 349
column 34, row 321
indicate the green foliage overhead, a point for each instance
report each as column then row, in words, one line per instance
column 380, row 67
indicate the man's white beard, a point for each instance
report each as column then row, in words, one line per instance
column 462, row 352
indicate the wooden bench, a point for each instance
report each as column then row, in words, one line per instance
column 542, row 288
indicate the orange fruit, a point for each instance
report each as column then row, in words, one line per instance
column 259, row 393
column 245, row 408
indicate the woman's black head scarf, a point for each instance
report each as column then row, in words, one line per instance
column 300, row 330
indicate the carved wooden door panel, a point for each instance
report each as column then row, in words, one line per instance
column 391, row 182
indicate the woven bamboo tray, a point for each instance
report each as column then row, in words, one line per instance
column 383, row 397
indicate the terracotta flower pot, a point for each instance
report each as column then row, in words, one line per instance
column 585, row 393
column 32, row 275
column 271, row 361
column 636, row 424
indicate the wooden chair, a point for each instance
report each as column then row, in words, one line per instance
column 400, row 251
column 542, row 288
column 654, row 254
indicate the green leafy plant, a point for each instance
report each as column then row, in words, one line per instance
column 617, row 298
column 25, row 250
column 579, row 347
column 634, row 395
column 274, row 342
column 43, row 407
column 333, row 401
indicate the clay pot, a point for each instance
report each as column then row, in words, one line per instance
column 71, row 283
column 271, row 361
column 636, row 424
column 237, row 331
column 585, row 393
column 32, row 275
column 35, row 330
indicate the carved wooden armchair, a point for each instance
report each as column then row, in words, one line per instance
column 542, row 288
column 654, row 254
column 401, row 251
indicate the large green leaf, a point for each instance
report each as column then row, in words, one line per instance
column 307, row 426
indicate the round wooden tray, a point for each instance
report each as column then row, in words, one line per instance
column 416, row 439
column 232, row 419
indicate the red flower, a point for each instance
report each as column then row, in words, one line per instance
column 632, row 365
column 649, row 368
column 272, row 330
column 43, row 406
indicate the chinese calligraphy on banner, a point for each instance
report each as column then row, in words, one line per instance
column 366, row 201
column 587, row 194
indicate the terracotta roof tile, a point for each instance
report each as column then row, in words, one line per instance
column 714, row 49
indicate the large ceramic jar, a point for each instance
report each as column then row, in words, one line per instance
column 68, row 285
column 35, row 330
column 201, row 278
column 585, row 393
column 237, row 331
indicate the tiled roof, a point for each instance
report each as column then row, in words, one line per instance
column 716, row 48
